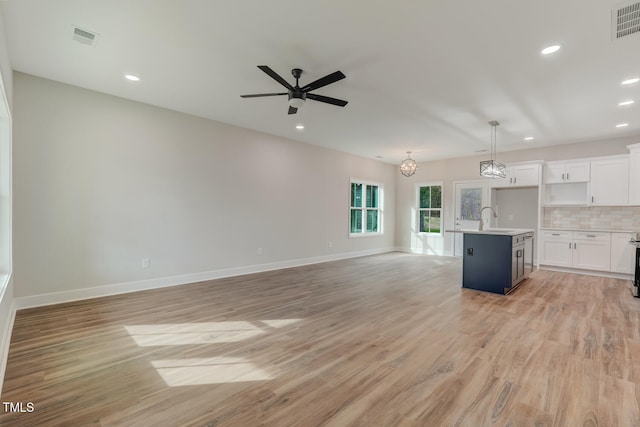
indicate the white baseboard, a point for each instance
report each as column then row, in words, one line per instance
column 609, row 274
column 162, row 282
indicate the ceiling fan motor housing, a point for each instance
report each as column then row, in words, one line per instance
column 297, row 98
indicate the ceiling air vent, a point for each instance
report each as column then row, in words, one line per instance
column 84, row 36
column 625, row 20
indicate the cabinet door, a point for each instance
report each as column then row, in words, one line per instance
column 554, row 173
column 556, row 252
column 577, row 172
column 622, row 253
column 502, row 182
column 610, row 182
column 525, row 175
column 592, row 254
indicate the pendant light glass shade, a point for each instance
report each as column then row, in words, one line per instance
column 408, row 166
column 492, row 168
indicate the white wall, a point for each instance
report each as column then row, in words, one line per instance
column 102, row 182
column 468, row 168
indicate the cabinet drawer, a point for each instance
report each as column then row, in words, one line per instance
column 595, row 236
column 556, row 235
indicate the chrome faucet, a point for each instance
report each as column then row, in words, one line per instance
column 481, row 225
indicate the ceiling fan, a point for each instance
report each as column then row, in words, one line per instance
column 298, row 95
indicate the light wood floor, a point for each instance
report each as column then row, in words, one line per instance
column 384, row 340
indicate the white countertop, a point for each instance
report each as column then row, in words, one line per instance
column 494, row 231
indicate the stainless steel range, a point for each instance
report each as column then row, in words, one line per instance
column 635, row 289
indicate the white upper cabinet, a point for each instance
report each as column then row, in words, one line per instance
column 565, row 172
column 634, row 174
column 519, row 175
column 610, row 182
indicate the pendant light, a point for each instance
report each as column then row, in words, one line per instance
column 408, row 166
column 492, row 168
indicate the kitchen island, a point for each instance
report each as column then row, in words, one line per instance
column 496, row 259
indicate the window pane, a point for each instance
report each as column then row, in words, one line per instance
column 434, row 222
column 436, row 196
column 425, row 197
column 356, row 221
column 424, row 221
column 372, row 220
column 372, row 196
column 471, row 203
column 356, row 195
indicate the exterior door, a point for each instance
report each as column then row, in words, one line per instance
column 470, row 197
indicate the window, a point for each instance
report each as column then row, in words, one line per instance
column 365, row 208
column 430, row 208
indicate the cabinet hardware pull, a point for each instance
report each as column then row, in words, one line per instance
column 591, row 235
column 563, row 177
column 569, row 245
column 567, row 176
column 515, row 178
column 555, row 234
column 592, row 199
column 574, row 245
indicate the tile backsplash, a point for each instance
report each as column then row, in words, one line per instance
column 603, row 218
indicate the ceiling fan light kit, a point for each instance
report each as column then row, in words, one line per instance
column 298, row 95
column 408, row 166
column 492, row 168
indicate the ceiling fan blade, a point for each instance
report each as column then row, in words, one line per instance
column 262, row 94
column 328, row 100
column 275, row 76
column 326, row 80
column 292, row 110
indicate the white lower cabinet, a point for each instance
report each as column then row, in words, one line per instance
column 622, row 253
column 592, row 251
column 577, row 249
column 556, row 248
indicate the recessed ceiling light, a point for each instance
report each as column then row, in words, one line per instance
column 629, row 102
column 631, row 81
column 622, row 125
column 132, row 77
column 550, row 49
column 528, row 138
column 299, row 127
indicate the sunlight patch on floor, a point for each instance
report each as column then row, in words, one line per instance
column 209, row 370
column 202, row 333
column 212, row 370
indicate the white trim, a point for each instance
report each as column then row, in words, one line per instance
column 162, row 282
column 609, row 274
column 364, row 209
column 418, row 208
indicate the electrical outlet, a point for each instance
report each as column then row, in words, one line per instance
column 146, row 262
column 259, row 251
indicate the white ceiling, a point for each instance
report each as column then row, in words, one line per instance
column 422, row 75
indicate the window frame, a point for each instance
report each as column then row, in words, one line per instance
column 419, row 209
column 364, row 208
